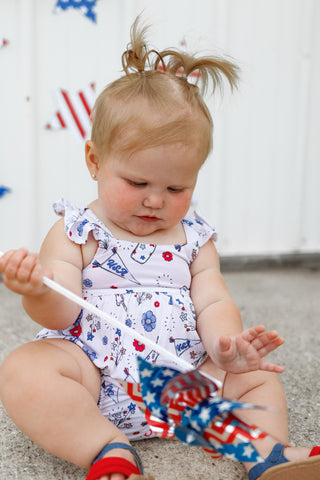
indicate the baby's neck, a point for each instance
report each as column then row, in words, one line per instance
column 173, row 236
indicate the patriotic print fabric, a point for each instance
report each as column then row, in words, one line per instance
column 185, row 406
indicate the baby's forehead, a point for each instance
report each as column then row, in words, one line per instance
column 164, row 125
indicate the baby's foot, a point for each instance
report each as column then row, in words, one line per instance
column 121, row 453
column 114, row 476
column 117, row 461
column 293, row 454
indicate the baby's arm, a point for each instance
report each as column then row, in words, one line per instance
column 219, row 323
column 59, row 259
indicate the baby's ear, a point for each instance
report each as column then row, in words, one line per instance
column 92, row 157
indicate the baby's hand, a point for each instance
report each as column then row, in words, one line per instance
column 244, row 352
column 22, row 272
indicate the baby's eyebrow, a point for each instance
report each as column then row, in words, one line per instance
column 132, row 178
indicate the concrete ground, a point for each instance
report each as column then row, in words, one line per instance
column 285, row 299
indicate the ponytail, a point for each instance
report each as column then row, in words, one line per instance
column 158, row 82
column 139, row 59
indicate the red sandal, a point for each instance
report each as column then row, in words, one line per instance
column 314, row 452
column 103, row 466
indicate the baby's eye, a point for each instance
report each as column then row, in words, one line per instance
column 175, row 189
column 136, row 184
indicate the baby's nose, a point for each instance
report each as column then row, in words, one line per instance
column 154, row 200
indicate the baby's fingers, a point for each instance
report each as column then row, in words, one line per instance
column 259, row 338
column 268, row 343
column 22, row 272
column 252, row 333
column 271, row 367
column 27, row 267
column 10, row 262
column 224, row 344
column 259, row 341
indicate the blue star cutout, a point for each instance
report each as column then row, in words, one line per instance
column 4, row 190
column 87, row 7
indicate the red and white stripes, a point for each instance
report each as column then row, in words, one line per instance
column 74, row 111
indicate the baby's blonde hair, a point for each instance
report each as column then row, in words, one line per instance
column 157, row 83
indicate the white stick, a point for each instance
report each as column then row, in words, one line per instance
column 184, row 366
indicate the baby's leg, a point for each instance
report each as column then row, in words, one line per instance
column 265, row 389
column 50, row 389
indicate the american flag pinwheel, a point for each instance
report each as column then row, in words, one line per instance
column 185, row 406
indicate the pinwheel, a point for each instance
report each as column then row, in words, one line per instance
column 186, row 406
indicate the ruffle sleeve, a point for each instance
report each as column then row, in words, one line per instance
column 199, row 229
column 78, row 222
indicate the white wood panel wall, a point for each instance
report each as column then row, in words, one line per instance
column 261, row 184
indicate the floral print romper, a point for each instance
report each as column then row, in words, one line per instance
column 147, row 288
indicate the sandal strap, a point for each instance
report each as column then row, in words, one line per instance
column 276, row 457
column 124, row 446
column 108, row 465
column 315, row 451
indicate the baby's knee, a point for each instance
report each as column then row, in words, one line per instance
column 7, row 371
column 237, row 385
column 8, row 367
column 15, row 375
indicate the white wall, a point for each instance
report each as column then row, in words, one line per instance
column 261, row 184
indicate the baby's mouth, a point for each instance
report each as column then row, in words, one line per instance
column 146, row 218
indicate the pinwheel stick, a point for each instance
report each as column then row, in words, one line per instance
column 182, row 364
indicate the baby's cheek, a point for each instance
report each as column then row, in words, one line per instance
column 124, row 198
column 182, row 204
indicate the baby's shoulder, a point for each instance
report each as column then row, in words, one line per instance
column 57, row 247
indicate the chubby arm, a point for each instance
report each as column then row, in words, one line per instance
column 61, row 260
column 219, row 322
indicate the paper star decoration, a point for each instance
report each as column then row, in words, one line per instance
column 4, row 190
column 74, row 111
column 3, row 42
column 185, row 406
column 86, row 7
